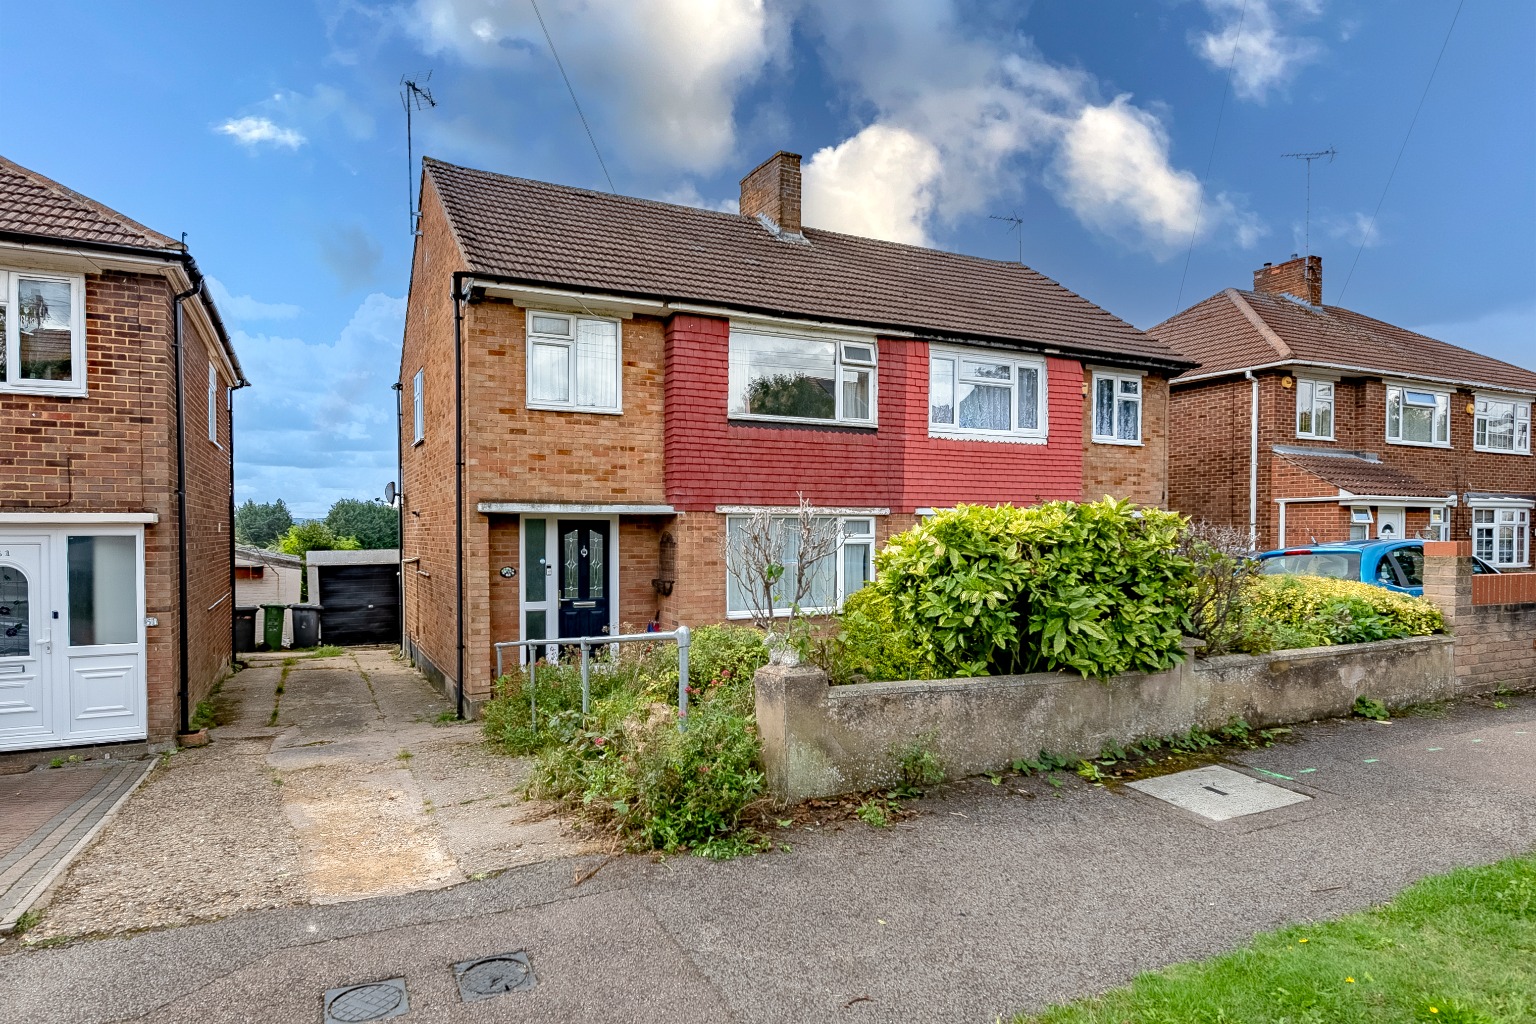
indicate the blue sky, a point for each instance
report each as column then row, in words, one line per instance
column 273, row 135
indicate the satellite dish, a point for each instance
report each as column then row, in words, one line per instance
column 389, row 493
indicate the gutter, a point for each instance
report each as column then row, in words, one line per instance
column 183, row 673
column 231, row 400
column 459, row 277
column 398, row 387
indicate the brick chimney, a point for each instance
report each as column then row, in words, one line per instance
column 1296, row 277
column 773, row 191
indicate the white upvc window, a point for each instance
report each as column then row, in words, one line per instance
column 1439, row 523
column 1314, row 409
column 833, row 578
column 1116, row 408
column 1360, row 520
column 574, row 362
column 42, row 333
column 213, row 403
column 419, row 406
column 1418, row 416
column 782, row 375
column 1501, row 425
column 1501, row 536
column 982, row 396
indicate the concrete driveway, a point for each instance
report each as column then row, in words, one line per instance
column 334, row 779
column 996, row 898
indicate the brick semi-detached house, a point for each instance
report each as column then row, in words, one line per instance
column 1307, row 422
column 115, row 484
column 619, row 378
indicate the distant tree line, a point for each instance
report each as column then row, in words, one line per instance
column 351, row 524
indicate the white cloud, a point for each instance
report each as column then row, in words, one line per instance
column 1350, row 228
column 880, row 183
column 318, row 423
column 240, row 308
column 687, row 194
column 661, row 75
column 1251, row 37
column 254, row 131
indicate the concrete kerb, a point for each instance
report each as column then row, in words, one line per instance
column 820, row 740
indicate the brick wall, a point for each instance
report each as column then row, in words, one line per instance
column 1136, row 472
column 1495, row 642
column 114, row 450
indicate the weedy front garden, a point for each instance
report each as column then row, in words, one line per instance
column 1095, row 589
column 1458, row 948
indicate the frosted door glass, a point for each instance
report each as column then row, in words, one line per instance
column 103, row 591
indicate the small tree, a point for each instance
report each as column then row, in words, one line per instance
column 1223, row 568
column 373, row 523
column 312, row 535
column 262, row 524
column 774, row 555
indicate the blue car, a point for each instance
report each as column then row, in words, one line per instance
column 1395, row 564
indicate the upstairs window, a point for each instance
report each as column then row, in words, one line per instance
column 42, row 321
column 791, row 377
column 419, row 406
column 573, row 363
column 213, row 404
column 1501, row 536
column 1117, row 408
column 1314, row 409
column 1502, row 426
column 979, row 396
column 1418, row 417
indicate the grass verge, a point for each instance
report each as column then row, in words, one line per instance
column 1458, row 948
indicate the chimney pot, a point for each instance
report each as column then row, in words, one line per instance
column 1300, row 278
column 772, row 190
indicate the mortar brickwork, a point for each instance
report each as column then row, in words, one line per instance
column 1494, row 625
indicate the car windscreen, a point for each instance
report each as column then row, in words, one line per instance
column 1343, row 565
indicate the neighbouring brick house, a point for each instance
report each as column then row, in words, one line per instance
column 115, row 564
column 1310, row 422
column 622, row 379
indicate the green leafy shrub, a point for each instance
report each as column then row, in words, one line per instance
column 1097, row 588
column 1289, row 612
column 869, row 646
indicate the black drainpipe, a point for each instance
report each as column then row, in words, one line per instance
column 184, row 690
column 233, row 388
column 458, row 476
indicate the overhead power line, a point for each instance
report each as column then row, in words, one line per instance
column 1371, row 224
column 574, row 101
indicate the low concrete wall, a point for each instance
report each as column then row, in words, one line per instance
column 820, row 740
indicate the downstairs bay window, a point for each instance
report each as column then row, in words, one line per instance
column 832, row 577
column 1502, row 536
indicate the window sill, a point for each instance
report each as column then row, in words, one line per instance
column 1118, row 441
column 593, row 410
column 782, row 613
column 1420, row 444
column 72, row 391
column 1499, row 451
column 1314, row 437
column 966, row 435
column 748, row 420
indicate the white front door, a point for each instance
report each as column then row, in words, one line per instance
column 72, row 637
column 26, row 650
column 1389, row 523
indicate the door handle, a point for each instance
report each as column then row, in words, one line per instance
column 45, row 640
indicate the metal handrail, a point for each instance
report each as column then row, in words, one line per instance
column 586, row 643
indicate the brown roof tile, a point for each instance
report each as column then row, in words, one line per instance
column 1359, row 475
column 31, row 204
column 1219, row 334
column 533, row 231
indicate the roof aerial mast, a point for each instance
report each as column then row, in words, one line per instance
column 413, row 94
column 1330, row 153
column 1017, row 226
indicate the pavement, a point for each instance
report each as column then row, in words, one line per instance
column 996, row 898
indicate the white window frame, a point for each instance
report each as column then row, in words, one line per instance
column 957, row 357
column 843, row 358
column 1313, row 386
column 213, row 403
column 10, row 381
column 1522, row 438
column 845, row 539
column 1500, row 516
column 1442, row 399
column 567, row 341
column 419, row 406
column 1118, row 376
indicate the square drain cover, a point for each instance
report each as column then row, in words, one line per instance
column 373, row 1001
column 494, row 975
column 1218, row 793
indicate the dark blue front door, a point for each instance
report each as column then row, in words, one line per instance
column 583, row 554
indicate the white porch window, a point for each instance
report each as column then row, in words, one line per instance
column 42, row 333
column 977, row 395
column 1116, row 408
column 1501, row 536
column 1501, row 425
column 1314, row 409
column 573, row 363
column 1416, row 416
column 1360, row 520
column 815, row 378
column 833, row 577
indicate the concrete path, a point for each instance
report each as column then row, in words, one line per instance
column 995, row 898
column 332, row 779
column 47, row 817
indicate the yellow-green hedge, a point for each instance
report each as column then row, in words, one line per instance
column 1317, row 610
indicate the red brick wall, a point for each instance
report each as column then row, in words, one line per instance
column 1136, row 472
column 1495, row 642
column 114, row 450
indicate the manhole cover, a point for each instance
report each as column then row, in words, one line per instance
column 1218, row 793
column 494, row 975
column 374, row 1001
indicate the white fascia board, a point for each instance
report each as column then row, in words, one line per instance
column 1388, row 376
column 789, row 510
column 78, row 518
column 570, row 509
column 530, row 296
column 1345, row 498
column 762, row 320
column 1342, row 497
